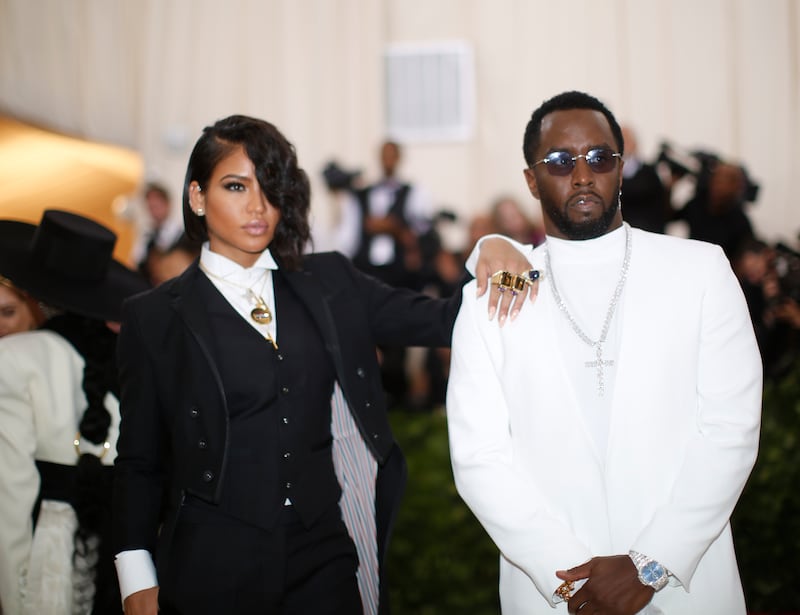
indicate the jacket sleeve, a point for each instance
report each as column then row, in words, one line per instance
column 400, row 316
column 141, row 448
column 19, row 479
column 513, row 507
column 721, row 453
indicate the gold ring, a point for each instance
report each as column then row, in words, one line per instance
column 518, row 283
column 502, row 278
column 564, row 590
column 77, row 444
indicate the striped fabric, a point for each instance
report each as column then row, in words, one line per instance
column 357, row 471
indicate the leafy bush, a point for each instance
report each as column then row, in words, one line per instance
column 766, row 521
column 440, row 559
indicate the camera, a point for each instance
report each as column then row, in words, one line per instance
column 337, row 178
column 700, row 165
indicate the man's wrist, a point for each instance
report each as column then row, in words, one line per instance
column 650, row 572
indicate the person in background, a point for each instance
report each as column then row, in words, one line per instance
column 509, row 220
column 379, row 229
column 171, row 263
column 256, row 469
column 58, row 419
column 770, row 279
column 646, row 200
column 18, row 310
column 717, row 213
column 381, row 224
column 625, row 404
column 162, row 231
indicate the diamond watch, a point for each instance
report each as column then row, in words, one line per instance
column 651, row 573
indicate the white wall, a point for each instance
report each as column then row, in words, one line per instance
column 720, row 75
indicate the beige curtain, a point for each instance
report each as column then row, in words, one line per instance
column 720, row 75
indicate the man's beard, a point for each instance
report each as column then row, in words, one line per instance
column 587, row 229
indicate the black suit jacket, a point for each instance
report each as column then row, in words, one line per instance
column 172, row 393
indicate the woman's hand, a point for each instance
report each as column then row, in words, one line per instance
column 144, row 602
column 497, row 256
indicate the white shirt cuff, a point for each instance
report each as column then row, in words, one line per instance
column 135, row 571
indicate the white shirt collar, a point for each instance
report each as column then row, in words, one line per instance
column 224, row 267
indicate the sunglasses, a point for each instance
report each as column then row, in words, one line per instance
column 599, row 159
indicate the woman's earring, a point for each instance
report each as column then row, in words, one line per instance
column 200, row 211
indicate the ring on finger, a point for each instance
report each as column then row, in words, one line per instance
column 564, row 590
column 529, row 277
column 518, row 283
column 502, row 278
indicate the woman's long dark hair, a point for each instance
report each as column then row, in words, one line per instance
column 283, row 182
column 96, row 343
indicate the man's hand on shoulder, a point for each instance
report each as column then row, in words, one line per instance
column 612, row 587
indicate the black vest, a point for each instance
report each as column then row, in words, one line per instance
column 279, row 431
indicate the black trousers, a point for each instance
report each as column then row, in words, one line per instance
column 219, row 565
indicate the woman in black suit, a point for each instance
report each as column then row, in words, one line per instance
column 252, row 403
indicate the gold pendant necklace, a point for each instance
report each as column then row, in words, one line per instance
column 260, row 313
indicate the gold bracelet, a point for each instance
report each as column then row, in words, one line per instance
column 77, row 444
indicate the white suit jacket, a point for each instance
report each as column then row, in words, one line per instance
column 41, row 405
column 683, row 432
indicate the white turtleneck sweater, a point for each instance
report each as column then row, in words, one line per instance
column 586, row 274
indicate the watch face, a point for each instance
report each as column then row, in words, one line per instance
column 652, row 573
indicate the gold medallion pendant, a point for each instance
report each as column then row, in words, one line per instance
column 261, row 314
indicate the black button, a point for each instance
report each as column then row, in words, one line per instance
column 367, row 405
column 208, row 476
column 285, row 420
column 375, row 436
column 194, row 413
column 285, row 390
column 288, row 485
column 280, row 357
column 287, row 455
column 360, row 372
column 202, row 443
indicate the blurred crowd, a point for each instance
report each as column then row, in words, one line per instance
column 695, row 194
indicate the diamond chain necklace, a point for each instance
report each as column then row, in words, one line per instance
column 599, row 363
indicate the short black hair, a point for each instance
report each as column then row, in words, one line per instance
column 283, row 182
column 565, row 102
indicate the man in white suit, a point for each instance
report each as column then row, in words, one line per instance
column 604, row 436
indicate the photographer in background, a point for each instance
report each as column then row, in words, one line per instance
column 770, row 279
column 717, row 213
column 645, row 197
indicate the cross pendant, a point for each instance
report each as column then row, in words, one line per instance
column 599, row 364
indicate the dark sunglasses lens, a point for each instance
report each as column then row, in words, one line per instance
column 559, row 163
column 601, row 160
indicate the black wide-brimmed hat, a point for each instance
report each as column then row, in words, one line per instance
column 66, row 261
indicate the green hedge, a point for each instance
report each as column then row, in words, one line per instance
column 766, row 522
column 442, row 561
